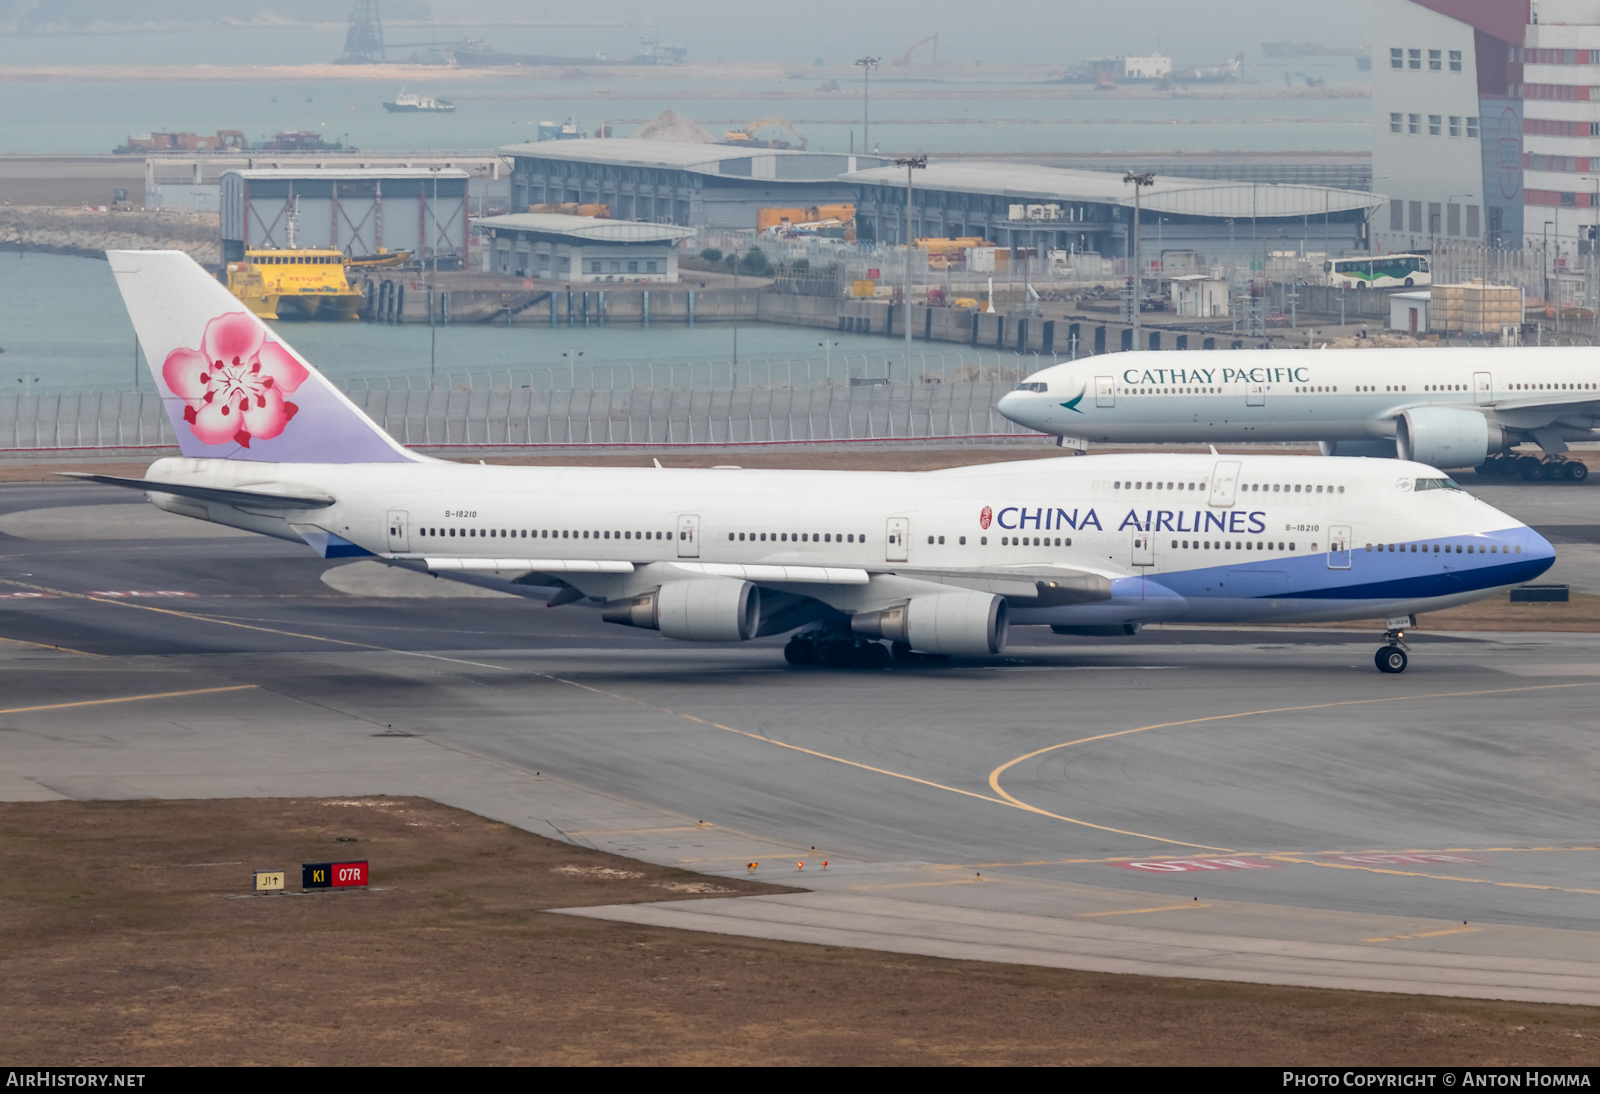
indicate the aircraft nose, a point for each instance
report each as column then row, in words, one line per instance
column 1016, row 405
column 1541, row 551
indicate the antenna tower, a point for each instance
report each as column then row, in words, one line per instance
column 363, row 42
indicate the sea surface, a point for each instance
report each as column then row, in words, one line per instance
column 965, row 109
column 63, row 328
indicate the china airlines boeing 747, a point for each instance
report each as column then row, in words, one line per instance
column 1446, row 407
column 937, row 563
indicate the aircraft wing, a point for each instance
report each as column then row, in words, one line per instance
column 265, row 497
column 1042, row 586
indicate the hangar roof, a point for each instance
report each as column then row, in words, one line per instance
column 589, row 228
column 1169, row 194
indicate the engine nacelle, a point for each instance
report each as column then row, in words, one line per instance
column 971, row 624
column 716, row 609
column 1380, row 450
column 1443, row 437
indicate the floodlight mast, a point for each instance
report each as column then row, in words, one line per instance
column 910, row 163
column 867, row 65
column 1139, row 180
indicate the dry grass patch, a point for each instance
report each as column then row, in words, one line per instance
column 126, row 938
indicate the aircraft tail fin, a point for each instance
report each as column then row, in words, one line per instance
column 232, row 388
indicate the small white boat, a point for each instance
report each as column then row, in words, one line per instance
column 407, row 103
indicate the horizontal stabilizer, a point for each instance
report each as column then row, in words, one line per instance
column 244, row 499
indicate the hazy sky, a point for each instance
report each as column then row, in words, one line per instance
column 1018, row 31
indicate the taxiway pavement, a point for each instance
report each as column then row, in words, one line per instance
column 1247, row 804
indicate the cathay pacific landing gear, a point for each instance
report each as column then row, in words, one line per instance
column 1391, row 657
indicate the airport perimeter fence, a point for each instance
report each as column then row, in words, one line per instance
column 506, row 416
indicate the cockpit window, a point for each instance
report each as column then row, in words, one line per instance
column 1437, row 484
column 1033, row 386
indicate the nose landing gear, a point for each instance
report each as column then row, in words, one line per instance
column 1391, row 657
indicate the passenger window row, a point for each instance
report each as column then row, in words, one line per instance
column 797, row 537
column 1228, row 545
column 1435, row 548
column 1038, row 541
column 1310, row 390
column 1157, row 486
column 538, row 533
column 1554, row 387
column 1308, row 488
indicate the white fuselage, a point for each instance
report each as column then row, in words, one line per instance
column 1174, row 536
column 1300, row 395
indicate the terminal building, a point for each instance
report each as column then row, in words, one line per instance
column 1021, row 206
column 576, row 248
column 678, row 182
column 354, row 210
column 1011, row 205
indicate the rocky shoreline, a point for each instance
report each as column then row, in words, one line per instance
column 89, row 233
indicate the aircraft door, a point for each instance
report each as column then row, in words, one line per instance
column 1255, row 395
column 688, row 535
column 1105, row 391
column 897, row 539
column 399, row 533
column 1338, row 547
column 1144, row 549
column 1482, row 387
column 1224, row 484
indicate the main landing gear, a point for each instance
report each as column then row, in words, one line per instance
column 1391, row 657
column 843, row 650
column 1533, row 469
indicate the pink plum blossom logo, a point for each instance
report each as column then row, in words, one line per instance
column 234, row 385
column 985, row 517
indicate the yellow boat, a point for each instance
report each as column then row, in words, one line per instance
column 302, row 283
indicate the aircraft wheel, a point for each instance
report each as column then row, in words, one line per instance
column 872, row 655
column 1552, row 471
column 1530, row 469
column 836, row 654
column 1390, row 659
column 800, row 651
column 1574, row 471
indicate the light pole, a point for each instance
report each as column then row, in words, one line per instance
column 827, row 359
column 910, row 163
column 1544, row 254
column 1139, row 182
column 572, row 356
column 433, row 284
column 867, row 65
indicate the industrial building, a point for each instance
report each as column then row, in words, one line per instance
column 194, row 180
column 1021, row 206
column 1447, row 102
column 1011, row 205
column 357, row 211
column 576, row 248
column 679, row 182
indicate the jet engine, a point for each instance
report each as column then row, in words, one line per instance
column 1381, row 450
column 1444, row 437
column 718, row 609
column 972, row 624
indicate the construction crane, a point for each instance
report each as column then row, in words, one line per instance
column 905, row 58
column 746, row 137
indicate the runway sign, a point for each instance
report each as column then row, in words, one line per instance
column 269, row 881
column 332, row 875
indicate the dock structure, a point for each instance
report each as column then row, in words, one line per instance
column 358, row 211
